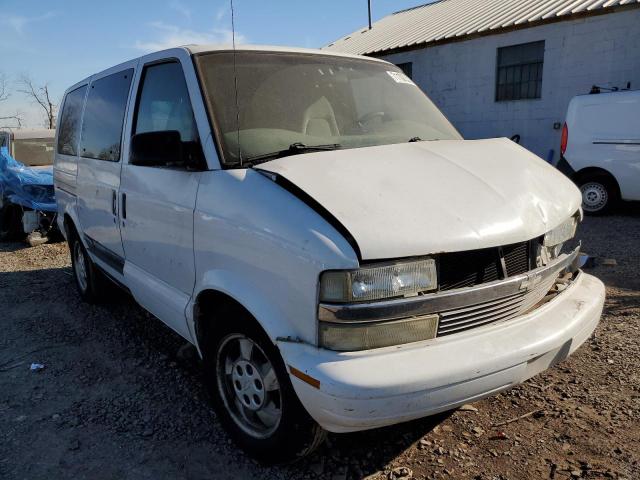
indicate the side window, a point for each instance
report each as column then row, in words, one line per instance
column 69, row 128
column 164, row 109
column 104, row 116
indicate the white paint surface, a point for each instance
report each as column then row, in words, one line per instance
column 429, row 197
column 240, row 233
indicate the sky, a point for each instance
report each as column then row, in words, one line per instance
column 62, row 42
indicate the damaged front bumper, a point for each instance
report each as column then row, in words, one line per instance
column 368, row 389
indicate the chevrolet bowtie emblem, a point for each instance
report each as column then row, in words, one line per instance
column 530, row 282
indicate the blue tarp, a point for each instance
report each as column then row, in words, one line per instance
column 26, row 186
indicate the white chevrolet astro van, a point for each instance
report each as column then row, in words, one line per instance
column 340, row 256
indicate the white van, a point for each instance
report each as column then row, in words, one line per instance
column 339, row 255
column 600, row 148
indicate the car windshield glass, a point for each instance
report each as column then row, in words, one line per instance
column 286, row 99
column 34, row 152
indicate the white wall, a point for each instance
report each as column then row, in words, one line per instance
column 460, row 77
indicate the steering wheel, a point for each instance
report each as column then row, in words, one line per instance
column 367, row 117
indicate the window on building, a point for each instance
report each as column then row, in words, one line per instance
column 104, row 116
column 519, row 72
column 69, row 127
column 407, row 68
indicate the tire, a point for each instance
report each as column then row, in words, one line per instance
column 11, row 223
column 599, row 195
column 89, row 279
column 253, row 396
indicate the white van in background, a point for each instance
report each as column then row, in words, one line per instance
column 600, row 148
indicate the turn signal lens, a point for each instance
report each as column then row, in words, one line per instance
column 351, row 337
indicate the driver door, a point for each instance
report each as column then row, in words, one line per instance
column 158, row 198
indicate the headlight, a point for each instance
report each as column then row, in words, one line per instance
column 378, row 282
column 563, row 232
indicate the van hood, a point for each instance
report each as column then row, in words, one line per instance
column 423, row 198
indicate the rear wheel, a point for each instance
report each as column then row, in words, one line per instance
column 89, row 280
column 254, row 397
column 599, row 195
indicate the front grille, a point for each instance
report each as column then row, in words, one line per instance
column 466, row 269
column 516, row 258
column 506, row 308
column 474, row 267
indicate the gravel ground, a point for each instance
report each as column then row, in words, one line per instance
column 116, row 400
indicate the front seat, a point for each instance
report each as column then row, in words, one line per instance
column 319, row 119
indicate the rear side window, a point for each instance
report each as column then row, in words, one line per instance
column 69, row 128
column 104, row 116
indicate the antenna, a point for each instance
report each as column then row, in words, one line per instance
column 235, row 81
column 369, row 5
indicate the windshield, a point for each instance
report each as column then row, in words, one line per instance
column 291, row 102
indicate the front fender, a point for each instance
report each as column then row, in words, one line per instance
column 248, row 294
column 262, row 246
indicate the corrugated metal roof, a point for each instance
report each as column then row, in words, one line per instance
column 450, row 20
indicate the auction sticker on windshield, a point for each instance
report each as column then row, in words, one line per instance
column 400, row 77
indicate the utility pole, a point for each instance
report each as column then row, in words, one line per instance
column 369, row 5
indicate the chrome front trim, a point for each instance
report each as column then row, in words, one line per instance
column 448, row 300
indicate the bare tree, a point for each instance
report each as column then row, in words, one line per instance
column 8, row 121
column 40, row 96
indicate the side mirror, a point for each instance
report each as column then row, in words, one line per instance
column 157, row 149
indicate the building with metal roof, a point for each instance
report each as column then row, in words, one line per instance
column 508, row 67
column 445, row 21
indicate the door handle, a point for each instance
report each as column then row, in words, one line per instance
column 124, row 205
column 114, row 202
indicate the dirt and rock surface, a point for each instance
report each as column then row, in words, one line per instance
column 116, row 400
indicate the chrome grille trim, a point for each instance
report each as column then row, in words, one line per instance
column 453, row 322
column 533, row 285
column 486, row 321
column 495, row 305
column 447, row 320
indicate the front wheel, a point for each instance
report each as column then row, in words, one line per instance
column 598, row 195
column 254, row 397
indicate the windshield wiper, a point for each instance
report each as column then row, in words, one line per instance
column 294, row 149
column 418, row 139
